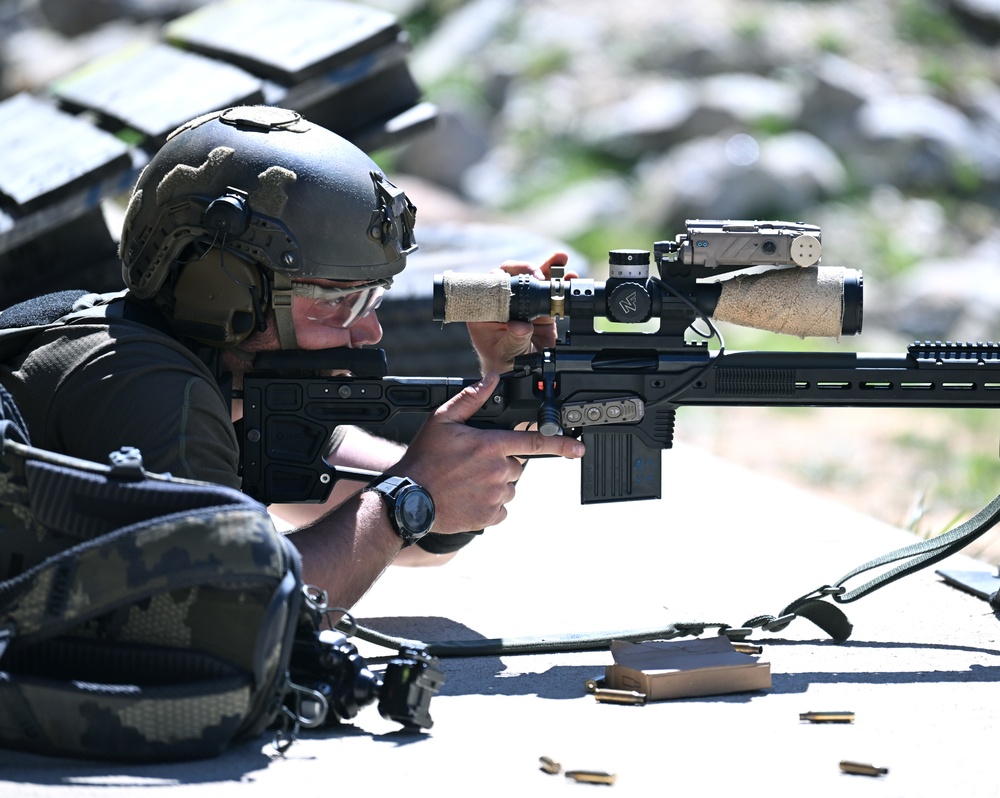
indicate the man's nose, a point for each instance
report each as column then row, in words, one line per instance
column 366, row 330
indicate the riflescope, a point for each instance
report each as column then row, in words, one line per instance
column 781, row 287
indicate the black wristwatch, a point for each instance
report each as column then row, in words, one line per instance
column 411, row 508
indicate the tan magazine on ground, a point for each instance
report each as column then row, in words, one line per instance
column 685, row 668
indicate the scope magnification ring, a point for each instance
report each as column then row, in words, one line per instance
column 523, row 294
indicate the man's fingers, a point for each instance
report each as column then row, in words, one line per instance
column 461, row 407
column 527, row 444
column 555, row 259
column 520, row 331
column 511, row 443
column 542, row 271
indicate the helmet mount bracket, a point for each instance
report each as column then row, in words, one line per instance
column 229, row 214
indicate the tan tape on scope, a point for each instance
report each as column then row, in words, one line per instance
column 795, row 301
column 476, row 297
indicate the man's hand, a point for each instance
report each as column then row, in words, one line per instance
column 497, row 343
column 471, row 472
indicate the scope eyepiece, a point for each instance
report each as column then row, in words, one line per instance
column 854, row 306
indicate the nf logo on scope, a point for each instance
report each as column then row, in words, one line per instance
column 628, row 304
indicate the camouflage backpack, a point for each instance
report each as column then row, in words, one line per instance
column 142, row 617
column 147, row 618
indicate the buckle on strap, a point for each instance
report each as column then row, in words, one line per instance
column 281, row 301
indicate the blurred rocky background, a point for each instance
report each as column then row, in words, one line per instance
column 599, row 125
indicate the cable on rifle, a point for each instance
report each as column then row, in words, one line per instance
column 713, row 332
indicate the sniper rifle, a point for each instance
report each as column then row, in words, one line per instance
column 610, row 379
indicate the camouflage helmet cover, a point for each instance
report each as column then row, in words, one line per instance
column 263, row 182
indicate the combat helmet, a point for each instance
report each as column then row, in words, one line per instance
column 239, row 203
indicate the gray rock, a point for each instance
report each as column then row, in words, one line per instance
column 651, row 117
column 950, row 299
column 806, row 166
column 738, row 177
column 742, row 99
column 982, row 16
column 461, row 38
column 834, row 94
column 981, row 103
column 445, row 154
column 912, row 141
column 581, row 207
column 658, row 113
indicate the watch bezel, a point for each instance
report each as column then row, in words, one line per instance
column 394, row 490
column 405, row 491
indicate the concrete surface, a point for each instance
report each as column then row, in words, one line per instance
column 921, row 670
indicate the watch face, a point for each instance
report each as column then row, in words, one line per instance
column 416, row 511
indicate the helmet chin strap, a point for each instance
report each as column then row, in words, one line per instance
column 281, row 301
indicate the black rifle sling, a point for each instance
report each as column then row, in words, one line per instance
column 911, row 558
column 920, row 555
column 812, row 606
column 545, row 644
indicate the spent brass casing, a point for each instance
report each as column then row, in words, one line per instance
column 747, row 648
column 837, row 716
column 591, row 776
column 549, row 765
column 862, row 769
column 608, row 696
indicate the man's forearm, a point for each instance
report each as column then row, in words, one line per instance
column 345, row 551
column 359, row 448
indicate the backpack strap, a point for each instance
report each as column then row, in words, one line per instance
column 224, row 544
column 21, row 322
column 40, row 310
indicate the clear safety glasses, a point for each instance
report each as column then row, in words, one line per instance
column 341, row 307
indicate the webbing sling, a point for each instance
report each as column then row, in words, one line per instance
column 812, row 606
column 911, row 558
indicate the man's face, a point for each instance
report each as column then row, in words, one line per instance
column 334, row 315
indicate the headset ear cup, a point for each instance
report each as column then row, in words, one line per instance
column 219, row 299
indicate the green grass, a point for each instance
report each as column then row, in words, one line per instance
column 961, row 454
column 926, row 23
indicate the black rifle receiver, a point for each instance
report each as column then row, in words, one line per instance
column 619, row 388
